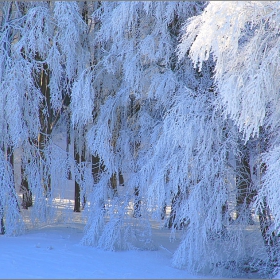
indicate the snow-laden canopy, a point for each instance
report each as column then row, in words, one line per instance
column 152, row 112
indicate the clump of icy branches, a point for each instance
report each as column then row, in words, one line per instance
column 41, row 56
column 139, row 52
column 162, row 134
column 244, row 41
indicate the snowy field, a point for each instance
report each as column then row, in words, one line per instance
column 54, row 251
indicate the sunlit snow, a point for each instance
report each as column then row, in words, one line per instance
column 54, row 251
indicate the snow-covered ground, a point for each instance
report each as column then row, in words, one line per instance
column 54, row 251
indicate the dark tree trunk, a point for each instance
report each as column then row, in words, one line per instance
column 26, row 192
column 172, row 221
column 116, row 180
column 163, row 211
column 269, row 236
column 96, row 168
column 79, row 157
column 137, row 204
column 77, row 202
column 245, row 191
column 77, row 205
column 47, row 119
column 2, row 227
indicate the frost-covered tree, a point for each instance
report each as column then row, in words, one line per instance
column 240, row 29
column 42, row 47
column 156, row 124
column 44, row 51
column 149, row 131
column 11, row 123
column 137, row 40
column 243, row 38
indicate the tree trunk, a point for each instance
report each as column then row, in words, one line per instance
column 26, row 192
column 96, row 168
column 47, row 120
column 137, row 204
column 77, row 197
column 172, row 221
column 116, row 180
column 163, row 211
column 79, row 157
column 269, row 237
column 245, row 192
column 2, row 227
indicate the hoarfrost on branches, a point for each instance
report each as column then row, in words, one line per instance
column 159, row 112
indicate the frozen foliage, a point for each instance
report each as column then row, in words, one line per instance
column 162, row 128
column 82, row 104
column 42, row 53
column 139, row 44
column 243, row 38
column 189, row 146
column 147, row 127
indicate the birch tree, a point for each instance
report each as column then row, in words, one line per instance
column 44, row 52
column 244, row 43
column 161, row 132
column 138, row 45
